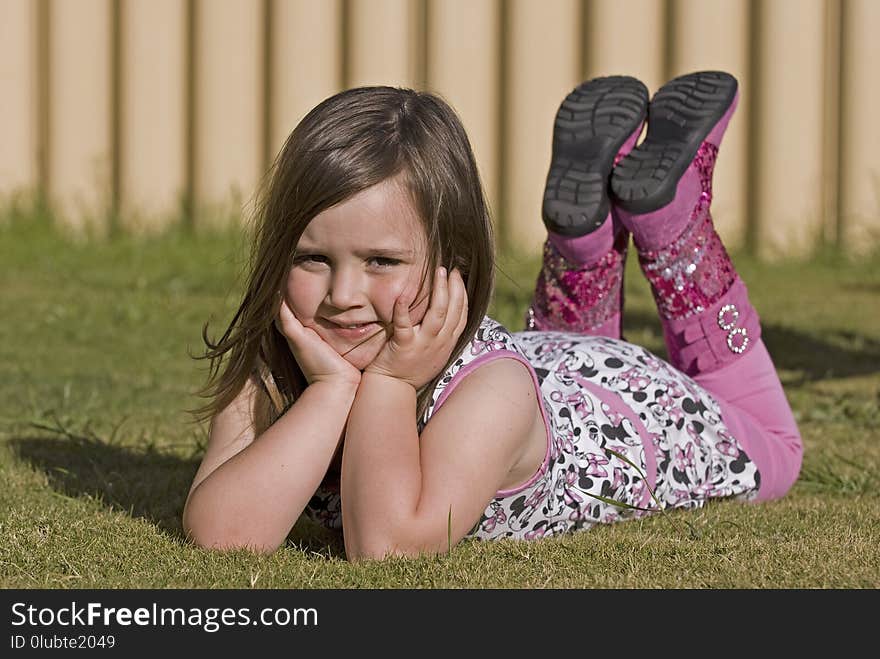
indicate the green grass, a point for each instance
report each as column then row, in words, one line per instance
column 97, row 452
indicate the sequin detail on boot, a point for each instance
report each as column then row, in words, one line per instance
column 574, row 298
column 694, row 271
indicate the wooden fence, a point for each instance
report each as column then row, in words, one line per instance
column 137, row 109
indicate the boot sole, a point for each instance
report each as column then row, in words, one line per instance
column 680, row 116
column 591, row 125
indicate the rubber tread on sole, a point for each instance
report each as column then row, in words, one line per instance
column 680, row 116
column 591, row 125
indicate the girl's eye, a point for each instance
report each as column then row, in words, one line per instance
column 310, row 258
column 383, row 262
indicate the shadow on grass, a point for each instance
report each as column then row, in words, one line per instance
column 148, row 483
column 144, row 483
column 833, row 354
column 837, row 354
column 862, row 287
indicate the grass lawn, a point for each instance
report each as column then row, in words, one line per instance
column 97, row 451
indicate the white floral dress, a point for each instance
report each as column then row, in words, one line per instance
column 621, row 424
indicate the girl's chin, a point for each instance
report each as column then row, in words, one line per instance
column 359, row 356
column 360, row 359
column 362, row 356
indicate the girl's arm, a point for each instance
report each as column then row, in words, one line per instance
column 401, row 493
column 250, row 493
column 411, row 495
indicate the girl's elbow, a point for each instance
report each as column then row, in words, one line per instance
column 370, row 546
column 218, row 536
column 228, row 542
column 379, row 547
column 378, row 552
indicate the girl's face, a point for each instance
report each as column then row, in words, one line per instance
column 352, row 263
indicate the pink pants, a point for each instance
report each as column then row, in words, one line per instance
column 754, row 407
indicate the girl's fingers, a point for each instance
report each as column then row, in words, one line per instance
column 460, row 314
column 403, row 329
column 436, row 315
column 288, row 324
column 456, row 299
column 462, row 319
column 286, row 315
column 283, row 315
column 283, row 310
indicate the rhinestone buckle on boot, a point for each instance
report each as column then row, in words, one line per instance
column 737, row 337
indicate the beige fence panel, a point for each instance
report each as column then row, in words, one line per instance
column 385, row 43
column 153, row 98
column 306, row 62
column 543, row 52
column 229, row 147
column 80, row 121
column 626, row 38
column 135, row 105
column 788, row 137
column 463, row 66
column 860, row 128
column 18, row 97
column 714, row 34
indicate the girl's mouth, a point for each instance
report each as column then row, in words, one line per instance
column 353, row 332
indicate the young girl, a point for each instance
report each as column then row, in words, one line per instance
column 365, row 386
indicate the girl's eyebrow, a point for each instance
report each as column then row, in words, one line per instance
column 387, row 252
column 384, row 252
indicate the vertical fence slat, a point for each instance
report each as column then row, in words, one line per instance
column 18, row 97
column 384, row 43
column 542, row 67
column 306, row 61
column 698, row 45
column 626, row 38
column 789, row 136
column 860, row 130
column 79, row 117
column 463, row 67
column 830, row 83
column 153, row 108
column 229, row 106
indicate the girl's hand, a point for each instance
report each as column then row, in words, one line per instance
column 416, row 354
column 317, row 358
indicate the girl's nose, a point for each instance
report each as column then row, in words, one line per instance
column 346, row 289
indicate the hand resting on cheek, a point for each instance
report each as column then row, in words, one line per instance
column 317, row 358
column 416, row 352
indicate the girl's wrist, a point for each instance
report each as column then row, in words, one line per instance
column 342, row 386
column 379, row 376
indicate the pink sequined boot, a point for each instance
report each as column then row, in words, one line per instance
column 580, row 286
column 663, row 193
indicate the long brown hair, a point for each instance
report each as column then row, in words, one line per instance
column 346, row 144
